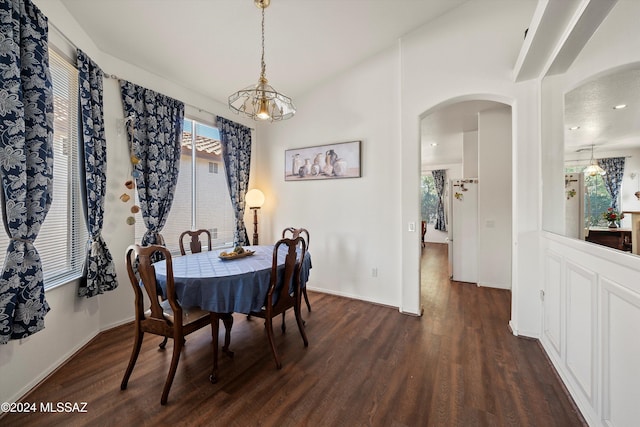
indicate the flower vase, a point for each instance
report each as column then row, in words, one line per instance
column 612, row 224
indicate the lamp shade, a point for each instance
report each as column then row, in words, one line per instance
column 593, row 169
column 254, row 198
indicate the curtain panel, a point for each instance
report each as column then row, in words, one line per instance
column 99, row 271
column 440, row 179
column 155, row 140
column 235, row 140
column 26, row 163
column 614, row 168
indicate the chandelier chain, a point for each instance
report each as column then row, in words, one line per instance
column 262, row 63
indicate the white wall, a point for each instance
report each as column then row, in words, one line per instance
column 470, row 154
column 475, row 64
column 354, row 223
column 591, row 306
column 372, row 234
column 494, row 198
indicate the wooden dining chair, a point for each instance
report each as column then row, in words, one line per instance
column 165, row 317
column 195, row 245
column 284, row 290
column 295, row 232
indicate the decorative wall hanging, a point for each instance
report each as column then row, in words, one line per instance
column 130, row 184
column 341, row 160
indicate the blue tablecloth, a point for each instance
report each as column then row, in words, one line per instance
column 225, row 286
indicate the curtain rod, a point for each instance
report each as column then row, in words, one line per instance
column 113, row 76
column 595, row 158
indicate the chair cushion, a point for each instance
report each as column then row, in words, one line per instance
column 188, row 314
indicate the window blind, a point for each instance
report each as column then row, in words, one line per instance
column 63, row 236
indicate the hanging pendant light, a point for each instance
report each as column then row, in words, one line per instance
column 593, row 169
column 262, row 101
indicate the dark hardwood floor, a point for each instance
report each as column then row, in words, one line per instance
column 366, row 365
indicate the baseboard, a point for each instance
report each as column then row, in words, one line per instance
column 350, row 296
column 582, row 409
column 26, row 390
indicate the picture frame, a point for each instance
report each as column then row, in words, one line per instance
column 329, row 161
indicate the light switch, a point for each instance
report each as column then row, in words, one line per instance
column 412, row 226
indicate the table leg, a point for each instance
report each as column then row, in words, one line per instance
column 215, row 328
column 227, row 319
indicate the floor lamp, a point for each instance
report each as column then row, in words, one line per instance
column 254, row 199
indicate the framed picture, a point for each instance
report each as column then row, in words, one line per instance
column 331, row 161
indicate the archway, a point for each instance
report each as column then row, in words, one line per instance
column 471, row 138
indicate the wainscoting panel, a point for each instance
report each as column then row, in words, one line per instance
column 553, row 301
column 581, row 315
column 591, row 327
column 621, row 355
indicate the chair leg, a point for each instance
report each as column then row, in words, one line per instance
column 178, row 342
column 306, row 298
column 215, row 329
column 284, row 326
column 268, row 324
column 227, row 320
column 137, row 344
column 163, row 344
column 300, row 323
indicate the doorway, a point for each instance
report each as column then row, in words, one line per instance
column 472, row 139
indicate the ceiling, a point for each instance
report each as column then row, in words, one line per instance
column 441, row 131
column 590, row 107
column 213, row 46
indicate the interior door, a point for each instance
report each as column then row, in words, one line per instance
column 464, row 230
column 574, row 205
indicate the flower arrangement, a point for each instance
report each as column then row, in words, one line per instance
column 612, row 215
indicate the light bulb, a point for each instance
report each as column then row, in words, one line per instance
column 263, row 110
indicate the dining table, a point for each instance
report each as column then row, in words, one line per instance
column 224, row 285
column 237, row 285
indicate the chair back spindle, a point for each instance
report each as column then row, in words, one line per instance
column 195, row 244
column 284, row 290
column 297, row 232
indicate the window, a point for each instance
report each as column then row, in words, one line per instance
column 63, row 236
column 596, row 197
column 202, row 196
column 429, row 202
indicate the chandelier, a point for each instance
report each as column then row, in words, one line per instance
column 593, row 169
column 262, row 101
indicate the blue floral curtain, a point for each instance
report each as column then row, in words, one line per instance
column 236, row 153
column 440, row 179
column 99, row 272
column 614, row 168
column 155, row 140
column 26, row 163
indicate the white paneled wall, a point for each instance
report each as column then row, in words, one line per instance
column 621, row 353
column 591, row 326
column 581, row 326
column 553, row 289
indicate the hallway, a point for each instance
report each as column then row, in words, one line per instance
column 484, row 369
